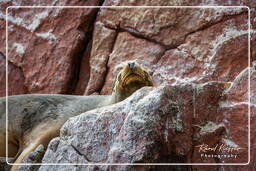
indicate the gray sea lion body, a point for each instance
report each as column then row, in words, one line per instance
column 37, row 118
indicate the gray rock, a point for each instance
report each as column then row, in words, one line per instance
column 3, row 165
column 34, row 157
column 128, row 132
column 154, row 125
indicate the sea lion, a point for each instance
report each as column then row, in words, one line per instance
column 35, row 119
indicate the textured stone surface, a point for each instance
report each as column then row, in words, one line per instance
column 15, row 79
column 178, row 47
column 3, row 165
column 34, row 157
column 210, row 54
column 234, row 105
column 91, row 63
column 47, row 44
column 144, row 52
column 160, row 24
column 103, row 39
column 153, row 125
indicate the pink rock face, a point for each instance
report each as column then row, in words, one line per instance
column 174, row 44
column 235, row 109
column 103, row 39
column 15, row 80
column 146, row 53
column 46, row 44
column 167, row 26
column 210, row 54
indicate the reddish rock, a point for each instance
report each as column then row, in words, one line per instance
column 15, row 78
column 219, row 52
column 3, row 7
column 52, row 71
column 160, row 24
column 84, row 74
column 253, row 137
column 253, row 44
column 167, row 32
column 103, row 40
column 233, row 106
column 128, row 47
column 235, row 109
column 46, row 44
column 2, row 36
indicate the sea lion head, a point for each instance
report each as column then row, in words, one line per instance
column 131, row 78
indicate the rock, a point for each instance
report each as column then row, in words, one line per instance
column 236, row 107
column 84, row 74
column 2, row 36
column 135, row 49
column 253, row 44
column 3, row 165
column 34, row 157
column 203, row 56
column 163, row 40
column 15, row 78
column 101, row 49
column 235, row 110
column 195, row 52
column 47, row 44
column 160, row 24
column 252, row 116
column 154, row 125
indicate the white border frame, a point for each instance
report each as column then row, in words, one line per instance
column 132, row 164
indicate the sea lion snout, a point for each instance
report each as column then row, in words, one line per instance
column 131, row 65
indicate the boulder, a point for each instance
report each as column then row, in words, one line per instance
column 47, row 44
column 209, row 54
column 34, row 157
column 3, row 165
column 154, row 125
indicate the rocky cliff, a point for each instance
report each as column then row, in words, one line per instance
column 198, row 59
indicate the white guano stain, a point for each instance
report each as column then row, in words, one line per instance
column 229, row 143
column 228, row 34
column 14, row 20
column 228, row 104
column 22, row 22
column 37, row 19
column 19, row 48
column 47, row 36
